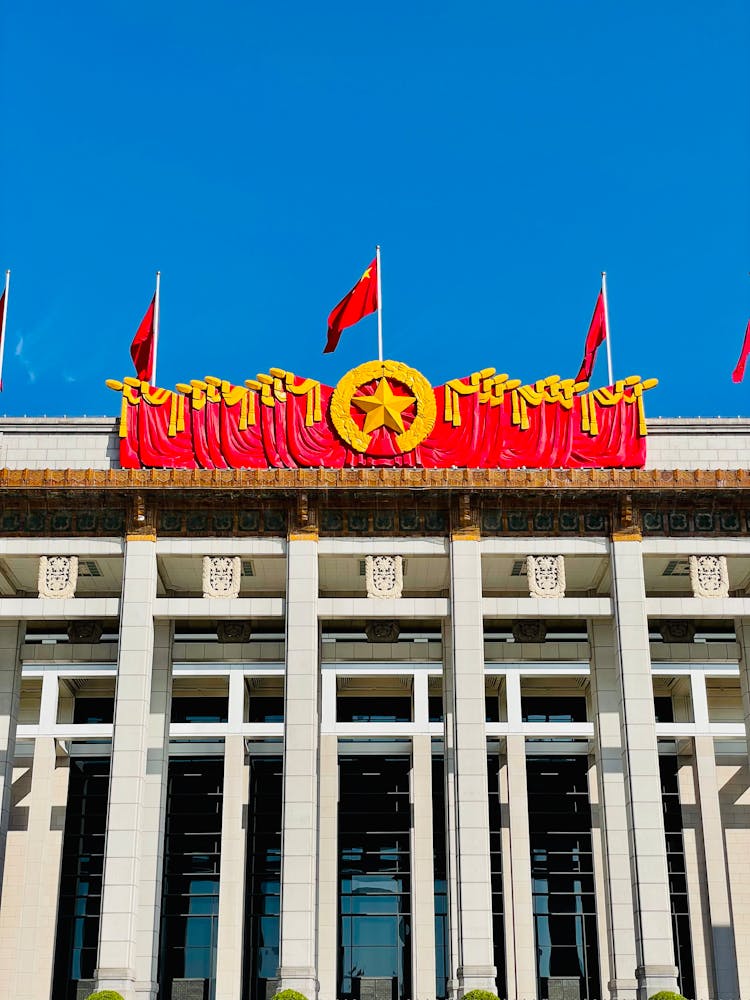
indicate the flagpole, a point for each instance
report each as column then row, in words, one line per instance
column 156, row 326
column 380, row 306
column 606, row 327
column 2, row 325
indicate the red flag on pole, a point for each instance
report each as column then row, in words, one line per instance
column 597, row 335
column 355, row 305
column 739, row 372
column 143, row 348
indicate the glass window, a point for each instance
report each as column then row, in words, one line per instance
column 266, row 709
column 374, row 876
column 496, row 869
column 199, row 709
column 553, row 709
column 678, row 892
column 373, row 709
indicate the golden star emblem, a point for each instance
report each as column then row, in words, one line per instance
column 383, row 408
column 366, row 273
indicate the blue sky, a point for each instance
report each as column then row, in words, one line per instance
column 502, row 153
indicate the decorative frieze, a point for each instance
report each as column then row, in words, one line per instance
column 58, row 576
column 709, row 576
column 384, row 576
column 221, row 576
column 382, row 631
column 546, row 576
column 530, row 630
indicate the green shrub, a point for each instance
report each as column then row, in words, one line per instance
column 289, row 995
column 480, row 995
column 666, row 995
column 104, row 995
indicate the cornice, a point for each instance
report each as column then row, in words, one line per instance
column 286, row 480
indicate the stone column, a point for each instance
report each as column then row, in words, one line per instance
column 742, row 629
column 613, row 807
column 125, row 816
column 476, row 966
column 299, row 839
column 656, row 969
column 520, row 939
column 153, row 816
column 11, row 637
column 229, row 951
column 35, row 951
column 423, row 868
column 328, row 868
column 717, row 885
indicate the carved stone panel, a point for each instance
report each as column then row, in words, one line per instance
column 677, row 630
column 234, row 631
column 546, row 576
column 221, row 576
column 382, row 631
column 530, row 630
column 709, row 576
column 384, row 576
column 58, row 576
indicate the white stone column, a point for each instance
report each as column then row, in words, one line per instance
column 328, row 868
column 712, row 834
column 476, row 965
column 153, row 816
column 423, row 869
column 11, row 637
column 35, row 949
column 656, row 969
column 299, row 843
column 229, row 951
column 613, row 806
column 122, row 861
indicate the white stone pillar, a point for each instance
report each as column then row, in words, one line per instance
column 717, row 886
column 656, row 969
column 229, row 951
column 125, row 815
column 423, row 869
column 35, row 949
column 476, row 965
column 153, row 816
column 299, row 841
column 11, row 637
column 328, row 868
column 613, row 805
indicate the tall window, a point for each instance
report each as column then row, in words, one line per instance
column 678, row 894
column 374, row 880
column 496, row 870
column 262, row 893
column 442, row 927
column 81, row 875
column 562, row 876
column 192, row 855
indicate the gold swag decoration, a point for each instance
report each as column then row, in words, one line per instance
column 371, row 371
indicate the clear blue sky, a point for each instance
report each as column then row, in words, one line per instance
column 502, row 153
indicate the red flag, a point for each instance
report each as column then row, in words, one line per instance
column 739, row 372
column 359, row 302
column 142, row 348
column 597, row 335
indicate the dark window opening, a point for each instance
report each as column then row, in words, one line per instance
column 678, row 891
column 552, row 709
column 440, row 867
column 435, row 707
column 81, row 872
column 491, row 708
column 192, row 857
column 266, row 709
column 374, row 924
column 496, row 870
column 663, row 709
column 562, row 875
column 263, row 881
column 373, row 709
column 93, row 711
column 199, row 709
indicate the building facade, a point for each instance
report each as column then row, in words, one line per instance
column 374, row 733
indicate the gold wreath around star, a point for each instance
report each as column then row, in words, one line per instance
column 383, row 408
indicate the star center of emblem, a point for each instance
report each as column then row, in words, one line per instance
column 383, row 408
